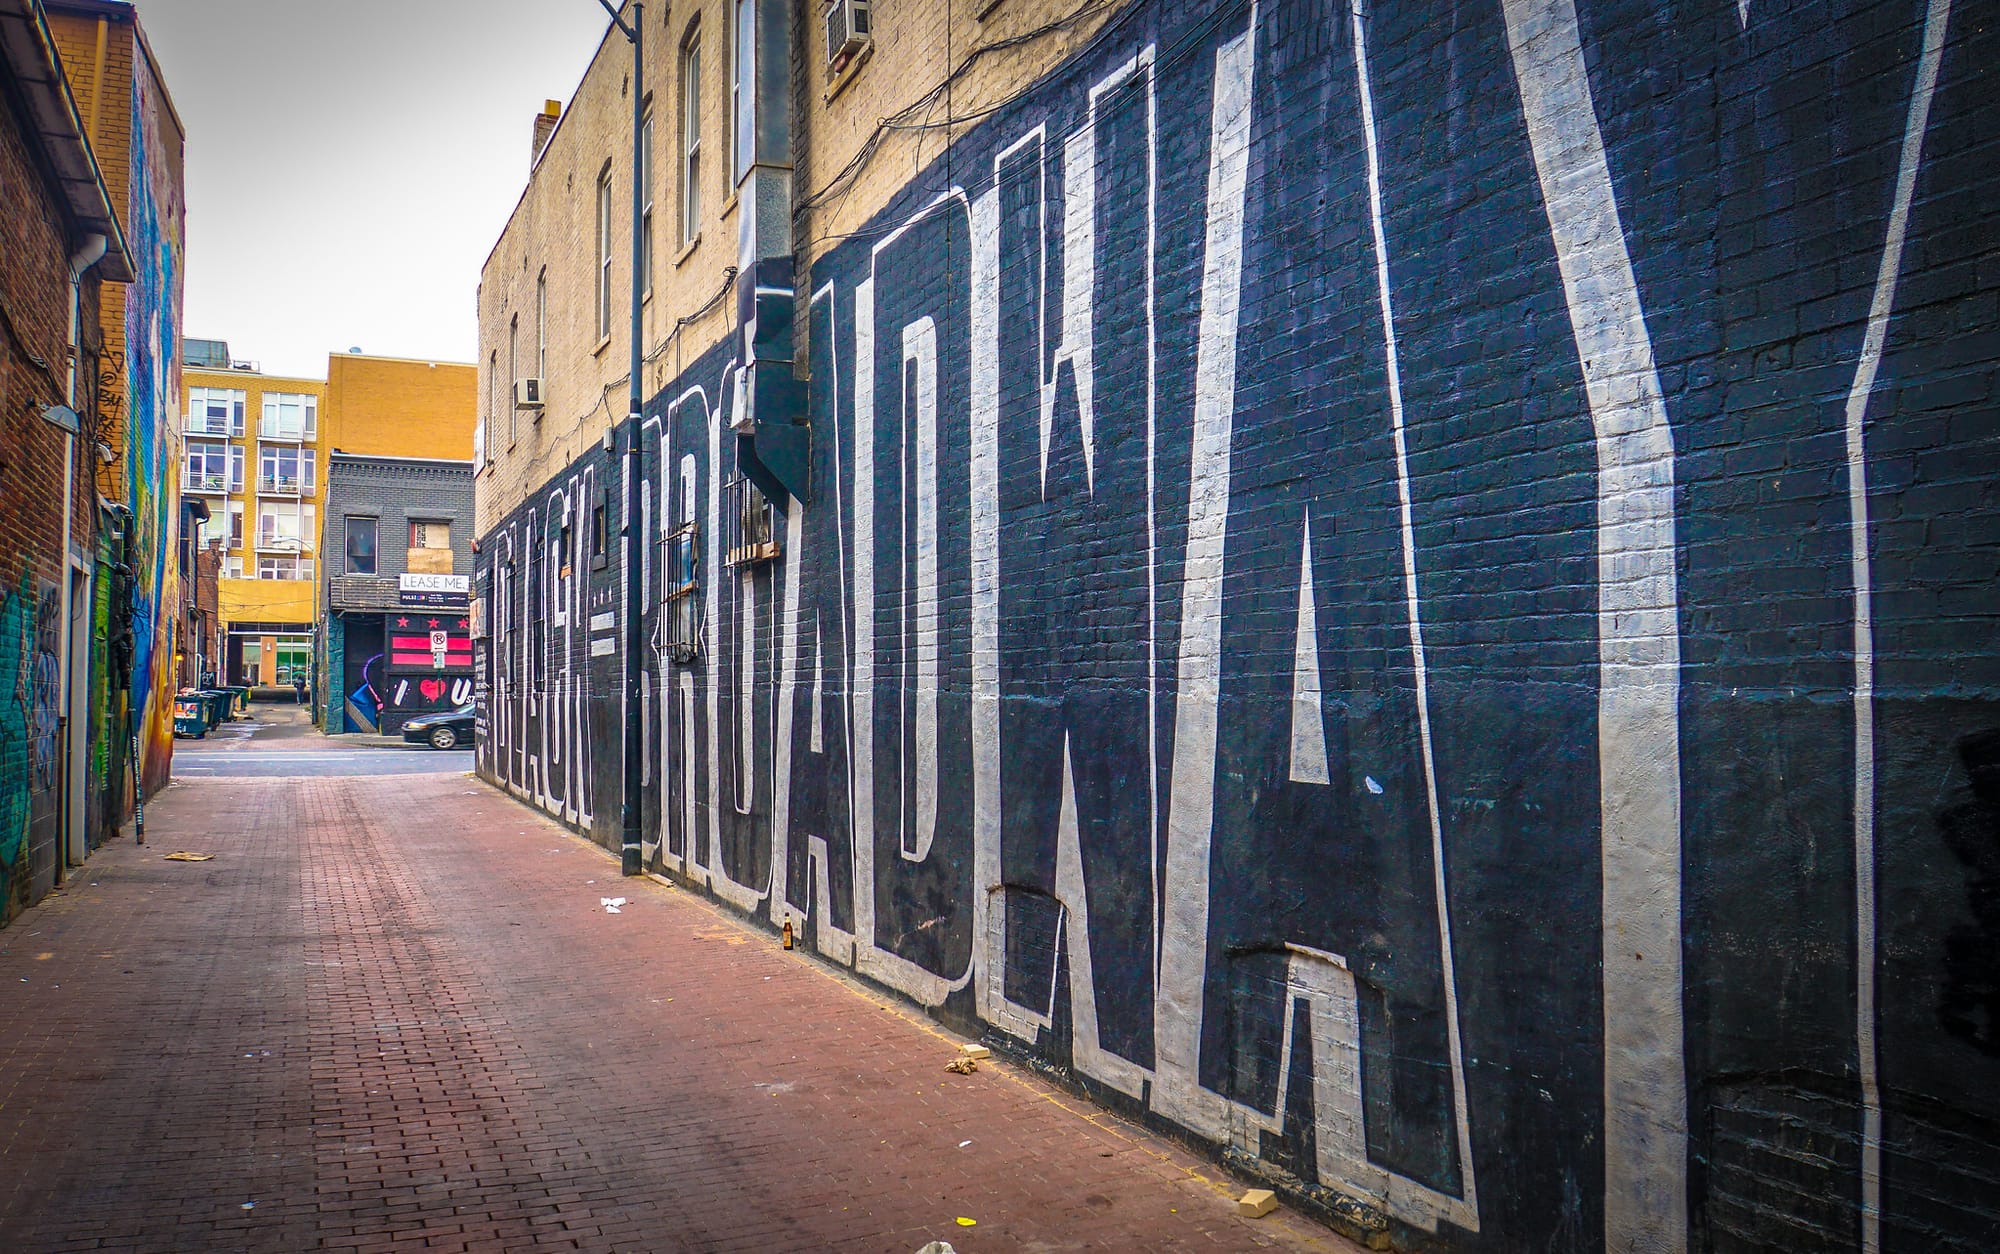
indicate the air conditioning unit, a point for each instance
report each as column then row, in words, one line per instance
column 847, row 29
column 527, row 393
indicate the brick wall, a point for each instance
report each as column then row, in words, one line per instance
column 1408, row 593
column 399, row 407
column 35, row 237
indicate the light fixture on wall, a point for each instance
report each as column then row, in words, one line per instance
column 62, row 418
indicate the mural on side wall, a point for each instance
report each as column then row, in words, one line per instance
column 1329, row 620
column 30, row 738
column 152, row 382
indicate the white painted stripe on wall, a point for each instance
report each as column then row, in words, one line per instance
column 923, row 592
column 1936, row 18
column 1645, row 1070
column 988, row 923
column 1464, row 1209
column 1177, row 1011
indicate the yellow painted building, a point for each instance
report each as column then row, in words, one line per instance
column 400, row 407
column 255, row 452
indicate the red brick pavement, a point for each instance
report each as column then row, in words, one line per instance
column 391, row 1014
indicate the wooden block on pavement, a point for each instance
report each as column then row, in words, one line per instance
column 1257, row 1203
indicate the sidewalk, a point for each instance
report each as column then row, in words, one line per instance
column 394, row 1014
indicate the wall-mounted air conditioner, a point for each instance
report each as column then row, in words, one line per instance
column 527, row 393
column 848, row 28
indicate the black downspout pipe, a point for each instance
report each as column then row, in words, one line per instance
column 635, row 552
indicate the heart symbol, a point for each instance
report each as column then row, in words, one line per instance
column 431, row 688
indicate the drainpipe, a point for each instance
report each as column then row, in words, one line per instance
column 88, row 253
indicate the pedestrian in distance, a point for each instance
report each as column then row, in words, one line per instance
column 299, row 686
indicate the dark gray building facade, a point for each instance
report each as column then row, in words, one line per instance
column 394, row 639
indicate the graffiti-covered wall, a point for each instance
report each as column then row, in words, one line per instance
column 152, row 391
column 1408, row 592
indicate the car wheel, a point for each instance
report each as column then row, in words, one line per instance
column 444, row 738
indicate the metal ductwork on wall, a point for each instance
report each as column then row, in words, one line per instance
column 774, row 437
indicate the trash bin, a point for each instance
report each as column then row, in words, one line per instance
column 190, row 715
column 239, row 699
column 218, row 701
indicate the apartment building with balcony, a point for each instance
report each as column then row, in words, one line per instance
column 253, row 452
column 256, row 450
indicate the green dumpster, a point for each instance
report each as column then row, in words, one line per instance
column 190, row 715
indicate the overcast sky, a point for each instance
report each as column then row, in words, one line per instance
column 351, row 162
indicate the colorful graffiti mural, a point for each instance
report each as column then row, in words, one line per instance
column 30, row 714
column 152, row 398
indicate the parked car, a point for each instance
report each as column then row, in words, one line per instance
column 447, row 729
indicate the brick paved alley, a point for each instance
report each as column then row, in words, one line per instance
column 392, row 1014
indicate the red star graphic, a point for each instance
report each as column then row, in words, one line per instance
column 461, row 624
column 434, row 623
column 402, row 622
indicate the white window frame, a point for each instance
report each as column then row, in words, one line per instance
column 290, row 416
column 205, row 448
column 690, row 146
column 604, row 253
column 305, row 467
column 646, row 184
column 303, row 515
column 285, row 567
column 513, row 377
column 202, row 400
column 741, row 32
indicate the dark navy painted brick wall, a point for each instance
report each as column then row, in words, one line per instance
column 1332, row 611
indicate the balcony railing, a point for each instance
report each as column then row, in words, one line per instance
column 277, row 542
column 283, row 432
column 207, row 483
column 282, row 485
column 202, row 424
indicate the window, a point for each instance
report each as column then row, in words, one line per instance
column 208, row 466
column 430, row 547
column 360, row 545
column 215, row 527
column 224, row 524
column 280, row 567
column 646, row 186
column 604, row 253
column 285, row 469
column 485, row 451
column 691, row 136
column 290, row 416
column 755, row 532
column 287, row 526
column 742, row 117
column 513, row 375
column 232, row 566
column 215, row 411
column 541, row 327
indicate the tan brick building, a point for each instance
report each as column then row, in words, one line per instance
column 553, row 297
